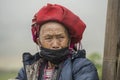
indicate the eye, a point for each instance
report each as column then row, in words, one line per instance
column 48, row 38
column 60, row 38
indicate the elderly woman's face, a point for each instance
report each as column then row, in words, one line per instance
column 53, row 36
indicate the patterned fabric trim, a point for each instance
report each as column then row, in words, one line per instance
column 32, row 71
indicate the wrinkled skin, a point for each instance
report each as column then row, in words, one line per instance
column 53, row 35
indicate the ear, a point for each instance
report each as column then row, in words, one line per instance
column 38, row 41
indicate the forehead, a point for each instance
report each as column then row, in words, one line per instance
column 52, row 28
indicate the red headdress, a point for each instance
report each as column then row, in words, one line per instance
column 58, row 13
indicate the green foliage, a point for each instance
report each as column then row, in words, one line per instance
column 96, row 58
column 5, row 75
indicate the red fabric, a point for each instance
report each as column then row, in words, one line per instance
column 48, row 73
column 54, row 12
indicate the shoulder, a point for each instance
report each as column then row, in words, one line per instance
column 80, row 61
column 84, row 69
column 83, row 64
column 29, row 59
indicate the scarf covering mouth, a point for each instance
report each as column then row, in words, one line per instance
column 54, row 56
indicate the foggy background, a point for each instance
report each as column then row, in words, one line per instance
column 15, row 27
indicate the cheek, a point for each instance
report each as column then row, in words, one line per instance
column 45, row 44
column 65, row 43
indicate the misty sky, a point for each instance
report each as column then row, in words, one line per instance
column 15, row 26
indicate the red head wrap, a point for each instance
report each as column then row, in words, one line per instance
column 58, row 13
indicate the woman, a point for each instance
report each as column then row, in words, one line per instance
column 57, row 31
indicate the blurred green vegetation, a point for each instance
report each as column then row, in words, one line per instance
column 96, row 58
column 7, row 74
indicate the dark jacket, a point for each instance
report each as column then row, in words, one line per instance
column 76, row 67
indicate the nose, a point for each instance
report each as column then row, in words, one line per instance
column 55, row 44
